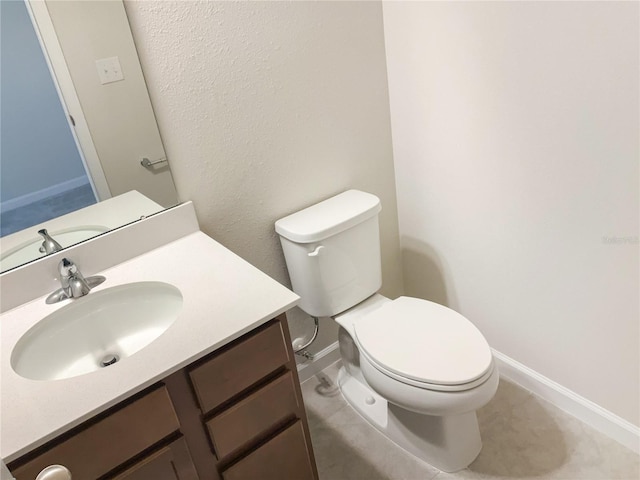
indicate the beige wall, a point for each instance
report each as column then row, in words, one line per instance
column 515, row 128
column 119, row 115
column 266, row 108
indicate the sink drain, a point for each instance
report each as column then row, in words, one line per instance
column 109, row 360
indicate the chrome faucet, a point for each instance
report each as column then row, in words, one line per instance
column 49, row 245
column 73, row 283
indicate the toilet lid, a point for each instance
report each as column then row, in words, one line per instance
column 424, row 341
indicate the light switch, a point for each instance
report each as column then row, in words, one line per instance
column 109, row 70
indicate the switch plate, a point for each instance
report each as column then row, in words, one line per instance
column 109, row 70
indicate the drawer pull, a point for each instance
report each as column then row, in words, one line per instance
column 54, row 472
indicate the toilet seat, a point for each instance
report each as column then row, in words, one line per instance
column 424, row 344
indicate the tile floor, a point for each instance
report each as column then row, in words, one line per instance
column 523, row 437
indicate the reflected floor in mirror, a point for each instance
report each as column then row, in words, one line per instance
column 523, row 437
column 54, row 206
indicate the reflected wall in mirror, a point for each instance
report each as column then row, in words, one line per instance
column 76, row 123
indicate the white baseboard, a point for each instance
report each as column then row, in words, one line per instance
column 584, row 410
column 32, row 197
column 321, row 360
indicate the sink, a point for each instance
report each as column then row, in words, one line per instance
column 96, row 331
column 28, row 250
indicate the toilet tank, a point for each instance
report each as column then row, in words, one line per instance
column 332, row 250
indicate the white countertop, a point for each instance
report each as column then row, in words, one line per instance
column 224, row 297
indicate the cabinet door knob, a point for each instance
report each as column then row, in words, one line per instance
column 54, row 472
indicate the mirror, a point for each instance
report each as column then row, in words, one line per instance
column 75, row 167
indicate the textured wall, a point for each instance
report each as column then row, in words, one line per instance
column 268, row 107
column 516, row 134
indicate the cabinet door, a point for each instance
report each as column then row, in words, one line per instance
column 171, row 462
column 103, row 446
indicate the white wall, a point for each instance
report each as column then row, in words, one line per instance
column 515, row 137
column 266, row 108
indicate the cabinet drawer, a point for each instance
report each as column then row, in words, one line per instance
column 284, row 457
column 254, row 416
column 239, row 367
column 171, row 462
column 92, row 452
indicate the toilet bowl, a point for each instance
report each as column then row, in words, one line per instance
column 417, row 371
column 420, row 392
column 417, row 351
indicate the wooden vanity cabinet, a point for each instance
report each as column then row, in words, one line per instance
column 235, row 414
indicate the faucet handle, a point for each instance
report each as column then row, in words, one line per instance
column 71, row 279
column 66, row 268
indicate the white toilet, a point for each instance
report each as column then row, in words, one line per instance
column 416, row 370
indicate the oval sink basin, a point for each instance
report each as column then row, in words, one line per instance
column 97, row 330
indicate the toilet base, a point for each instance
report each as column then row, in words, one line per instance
column 449, row 443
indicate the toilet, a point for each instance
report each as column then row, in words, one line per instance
column 415, row 370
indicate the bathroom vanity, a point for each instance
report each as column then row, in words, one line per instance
column 237, row 413
column 216, row 396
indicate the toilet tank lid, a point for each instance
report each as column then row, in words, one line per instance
column 329, row 217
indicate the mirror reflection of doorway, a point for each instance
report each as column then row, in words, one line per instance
column 42, row 174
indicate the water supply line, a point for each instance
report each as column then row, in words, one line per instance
column 302, row 350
